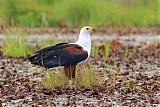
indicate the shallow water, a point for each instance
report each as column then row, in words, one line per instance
column 131, row 37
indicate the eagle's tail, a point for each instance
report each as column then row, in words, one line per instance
column 35, row 59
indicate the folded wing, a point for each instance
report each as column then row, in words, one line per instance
column 62, row 54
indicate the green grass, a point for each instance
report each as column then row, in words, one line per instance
column 86, row 77
column 94, row 50
column 16, row 45
column 106, row 47
column 77, row 13
column 126, row 51
column 54, row 80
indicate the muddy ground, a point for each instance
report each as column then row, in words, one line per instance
column 137, row 84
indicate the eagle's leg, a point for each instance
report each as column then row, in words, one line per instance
column 70, row 71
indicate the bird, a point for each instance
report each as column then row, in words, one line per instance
column 68, row 55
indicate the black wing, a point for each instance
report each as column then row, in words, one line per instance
column 51, row 47
column 62, row 54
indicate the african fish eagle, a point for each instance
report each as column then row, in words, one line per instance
column 65, row 54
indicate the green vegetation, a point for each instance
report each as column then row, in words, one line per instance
column 106, row 47
column 17, row 46
column 94, row 50
column 54, row 80
column 126, row 51
column 59, row 80
column 94, row 77
column 77, row 13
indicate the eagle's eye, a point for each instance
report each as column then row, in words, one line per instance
column 90, row 29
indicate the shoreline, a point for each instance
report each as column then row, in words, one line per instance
column 72, row 31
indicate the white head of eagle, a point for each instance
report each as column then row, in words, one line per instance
column 65, row 54
column 84, row 39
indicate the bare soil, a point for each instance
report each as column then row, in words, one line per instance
column 136, row 84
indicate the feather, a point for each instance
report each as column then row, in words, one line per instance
column 62, row 54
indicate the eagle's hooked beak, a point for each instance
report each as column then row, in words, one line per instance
column 91, row 30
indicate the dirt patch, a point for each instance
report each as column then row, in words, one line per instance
column 131, row 80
